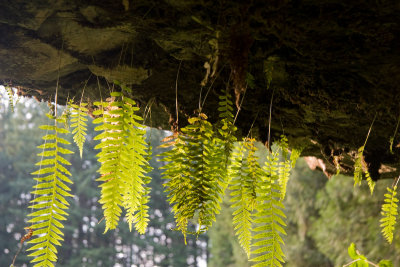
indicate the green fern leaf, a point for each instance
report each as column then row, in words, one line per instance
column 371, row 183
column 389, row 213
column 269, row 218
column 194, row 177
column 78, row 124
column 245, row 173
column 358, row 170
column 50, row 196
column 284, row 175
column 10, row 93
column 225, row 130
column 122, row 158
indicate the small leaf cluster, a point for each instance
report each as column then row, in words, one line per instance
column 359, row 260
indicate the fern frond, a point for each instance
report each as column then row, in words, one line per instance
column 141, row 218
column 371, row 183
column 246, row 174
column 123, row 149
column 284, row 175
column 78, row 124
column 50, row 196
column 10, row 93
column 295, row 155
column 286, row 165
column 194, row 177
column 358, row 170
column 389, row 213
column 269, row 218
column 225, row 127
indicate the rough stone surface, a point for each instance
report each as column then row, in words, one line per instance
column 334, row 64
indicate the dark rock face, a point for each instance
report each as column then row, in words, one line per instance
column 333, row 65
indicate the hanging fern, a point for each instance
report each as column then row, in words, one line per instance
column 226, row 132
column 371, row 183
column 194, row 177
column 78, row 124
column 123, row 149
column 284, row 166
column 50, row 195
column 246, row 174
column 389, row 213
column 10, row 97
column 141, row 218
column 269, row 218
column 360, row 168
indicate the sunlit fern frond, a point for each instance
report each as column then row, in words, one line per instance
column 294, row 155
column 284, row 175
column 371, row 183
column 78, row 124
column 194, row 176
column 123, row 149
column 225, row 130
column 358, row 170
column 389, row 213
column 246, row 174
column 50, row 195
column 283, row 144
column 285, row 166
column 10, row 93
column 141, row 218
column 269, row 218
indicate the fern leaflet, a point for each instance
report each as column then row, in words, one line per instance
column 78, row 124
column 269, row 218
column 123, row 149
column 389, row 213
column 50, row 195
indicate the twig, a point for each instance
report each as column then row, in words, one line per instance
column 369, row 131
column 209, row 88
column 176, row 93
column 269, row 123
column 350, row 263
column 240, row 106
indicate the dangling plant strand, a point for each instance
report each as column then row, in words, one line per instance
column 391, row 139
column 389, row 213
column 50, row 195
column 122, row 158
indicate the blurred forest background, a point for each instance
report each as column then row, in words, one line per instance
column 324, row 217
